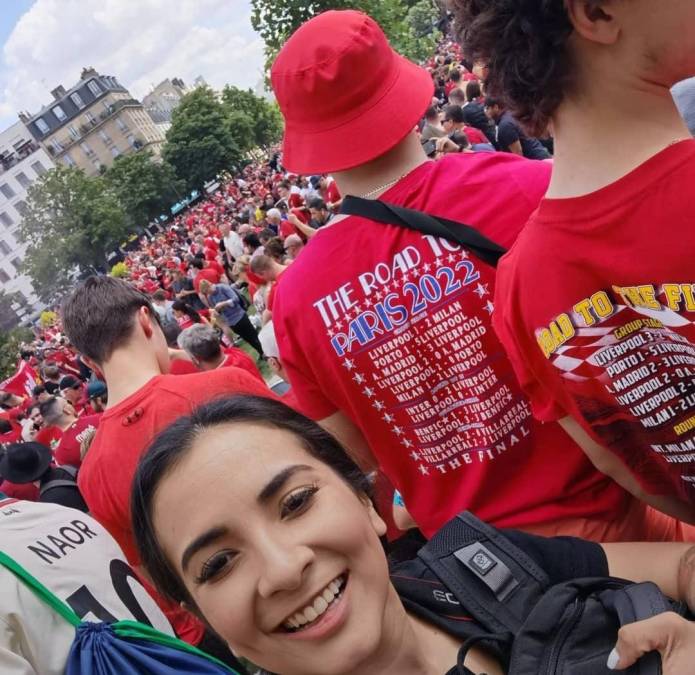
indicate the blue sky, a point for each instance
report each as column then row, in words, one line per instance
column 44, row 43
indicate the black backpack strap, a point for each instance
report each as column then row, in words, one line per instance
column 637, row 602
column 56, row 484
column 465, row 235
column 492, row 578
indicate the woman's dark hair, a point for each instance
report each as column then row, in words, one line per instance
column 252, row 240
column 524, row 44
column 473, row 90
column 172, row 444
column 183, row 306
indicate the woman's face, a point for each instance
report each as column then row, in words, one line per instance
column 281, row 557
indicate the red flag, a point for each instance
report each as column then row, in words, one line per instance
column 22, row 382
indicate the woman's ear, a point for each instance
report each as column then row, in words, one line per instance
column 375, row 519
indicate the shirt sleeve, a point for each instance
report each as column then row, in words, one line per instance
column 507, row 133
column 562, row 558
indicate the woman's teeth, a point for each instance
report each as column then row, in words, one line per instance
column 317, row 607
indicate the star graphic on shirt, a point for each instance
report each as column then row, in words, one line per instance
column 481, row 290
column 358, row 378
column 407, row 443
column 415, row 455
column 378, row 295
column 451, row 257
column 378, row 405
column 369, row 393
column 427, row 267
column 489, row 307
column 397, row 430
column 330, row 333
column 416, row 272
column 388, row 418
column 424, row 470
column 338, row 324
column 367, row 303
column 463, row 255
column 349, row 364
column 439, row 262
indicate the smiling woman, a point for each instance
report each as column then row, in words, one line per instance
column 255, row 519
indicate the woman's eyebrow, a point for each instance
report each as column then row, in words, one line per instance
column 201, row 541
column 277, row 482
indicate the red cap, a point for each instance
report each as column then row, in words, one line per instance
column 346, row 95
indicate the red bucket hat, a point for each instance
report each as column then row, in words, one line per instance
column 346, row 95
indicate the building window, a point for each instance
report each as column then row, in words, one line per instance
column 68, row 161
column 41, row 125
column 57, row 145
column 73, row 132
column 4, row 247
column 58, row 112
column 121, row 125
column 115, row 151
column 77, row 100
column 21, row 207
column 90, row 118
column 4, row 276
column 23, row 180
column 94, row 87
column 16, row 263
column 7, row 191
column 86, row 149
column 6, row 219
column 104, row 136
column 39, row 168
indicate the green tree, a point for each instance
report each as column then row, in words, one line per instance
column 144, row 187
column 10, row 344
column 71, row 224
column 8, row 317
column 276, row 20
column 264, row 116
column 200, row 143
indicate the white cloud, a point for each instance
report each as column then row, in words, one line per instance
column 141, row 42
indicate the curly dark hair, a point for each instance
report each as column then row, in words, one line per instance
column 524, row 44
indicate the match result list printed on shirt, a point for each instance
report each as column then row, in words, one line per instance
column 415, row 336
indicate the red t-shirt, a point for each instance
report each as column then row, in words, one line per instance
column 332, row 193
column 49, row 436
column 27, row 491
column 124, row 433
column 596, row 307
column 475, row 135
column 207, row 273
column 238, row 358
column 399, row 337
column 182, row 366
column 273, row 291
column 68, row 449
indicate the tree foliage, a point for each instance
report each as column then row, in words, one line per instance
column 200, row 143
column 8, row 316
column 71, row 223
column 10, row 345
column 263, row 116
column 144, row 187
column 276, row 20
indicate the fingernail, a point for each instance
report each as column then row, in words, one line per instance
column 613, row 659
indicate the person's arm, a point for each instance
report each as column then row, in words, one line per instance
column 671, row 566
column 306, row 230
column 516, row 148
column 342, row 427
column 611, row 465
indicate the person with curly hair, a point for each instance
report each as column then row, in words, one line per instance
column 595, row 303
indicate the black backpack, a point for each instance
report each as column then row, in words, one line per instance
column 538, row 629
column 70, row 481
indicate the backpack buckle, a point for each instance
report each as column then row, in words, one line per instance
column 489, row 569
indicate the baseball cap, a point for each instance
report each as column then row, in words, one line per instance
column 68, row 382
column 96, row 388
column 347, row 97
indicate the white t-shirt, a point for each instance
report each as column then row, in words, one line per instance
column 233, row 244
column 79, row 562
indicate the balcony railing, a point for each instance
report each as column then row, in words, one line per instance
column 11, row 160
column 96, row 122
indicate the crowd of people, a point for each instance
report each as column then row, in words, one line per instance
column 290, row 374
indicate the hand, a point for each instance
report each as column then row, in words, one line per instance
column 220, row 305
column 669, row 634
column 446, row 145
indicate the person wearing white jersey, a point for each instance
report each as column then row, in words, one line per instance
column 79, row 562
